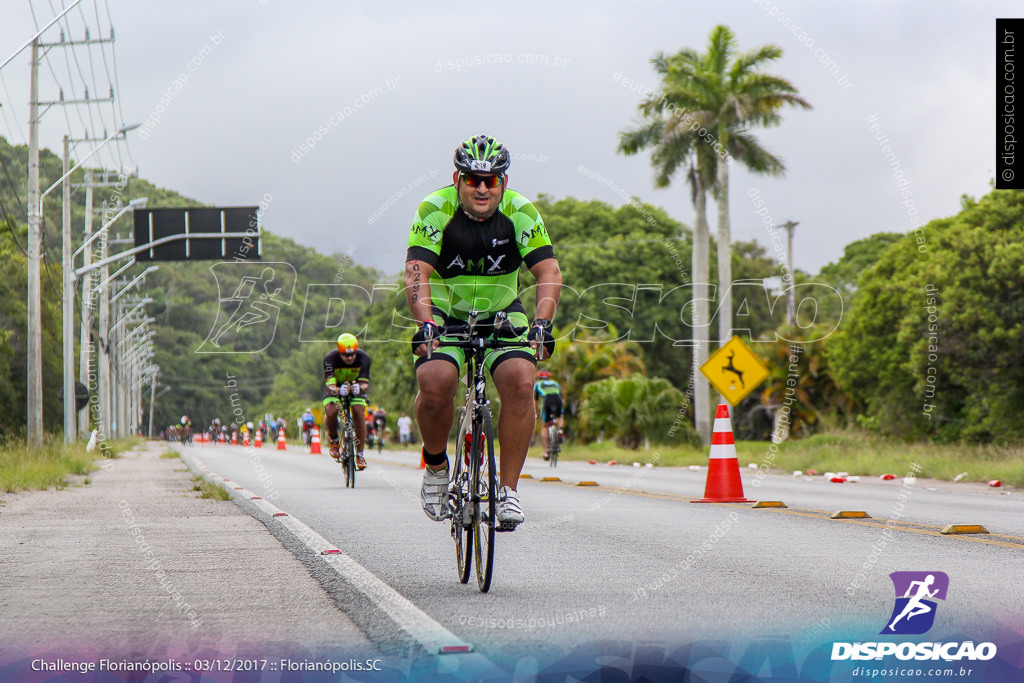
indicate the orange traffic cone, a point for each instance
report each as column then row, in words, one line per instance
column 281, row 445
column 314, row 441
column 234, row 438
column 258, row 439
column 723, row 483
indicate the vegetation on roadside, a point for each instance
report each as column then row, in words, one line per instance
column 48, row 466
column 206, row 489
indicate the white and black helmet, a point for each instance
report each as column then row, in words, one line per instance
column 482, row 154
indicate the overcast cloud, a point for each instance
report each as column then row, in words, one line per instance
column 385, row 92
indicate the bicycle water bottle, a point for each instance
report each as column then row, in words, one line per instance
column 469, row 447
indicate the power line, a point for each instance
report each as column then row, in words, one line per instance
column 21, row 133
column 117, row 83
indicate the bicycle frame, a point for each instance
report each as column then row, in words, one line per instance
column 471, row 501
column 347, row 437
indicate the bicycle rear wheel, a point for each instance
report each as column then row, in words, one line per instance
column 553, row 445
column 460, row 504
column 485, row 486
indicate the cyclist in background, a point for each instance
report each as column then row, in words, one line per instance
column 548, row 395
column 186, row 430
column 308, row 420
column 346, row 371
column 466, row 245
column 380, row 419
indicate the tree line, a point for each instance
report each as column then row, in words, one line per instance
column 911, row 342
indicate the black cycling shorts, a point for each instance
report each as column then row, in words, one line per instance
column 551, row 408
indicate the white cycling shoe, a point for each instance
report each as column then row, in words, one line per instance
column 510, row 512
column 434, row 494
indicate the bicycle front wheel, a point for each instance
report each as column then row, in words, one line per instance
column 349, row 460
column 460, row 504
column 485, row 486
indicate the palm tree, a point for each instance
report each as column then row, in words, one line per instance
column 676, row 147
column 700, row 121
column 733, row 93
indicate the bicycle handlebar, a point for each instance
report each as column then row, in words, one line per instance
column 466, row 336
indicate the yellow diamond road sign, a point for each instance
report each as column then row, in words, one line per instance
column 734, row 370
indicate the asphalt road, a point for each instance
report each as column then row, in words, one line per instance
column 633, row 564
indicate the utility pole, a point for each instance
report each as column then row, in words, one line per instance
column 790, row 227
column 85, row 341
column 34, row 362
column 34, row 340
column 68, row 306
column 103, row 348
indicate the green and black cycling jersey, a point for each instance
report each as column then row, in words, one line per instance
column 476, row 263
column 337, row 371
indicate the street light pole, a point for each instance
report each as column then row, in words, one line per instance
column 85, row 341
column 109, row 396
column 152, row 399
column 34, row 343
column 790, row 226
column 69, row 283
column 99, row 375
column 70, row 397
column 34, row 305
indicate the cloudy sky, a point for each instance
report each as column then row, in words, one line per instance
column 380, row 95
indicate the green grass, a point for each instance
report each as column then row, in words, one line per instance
column 170, row 455
column 207, row 489
column 48, row 466
column 860, row 453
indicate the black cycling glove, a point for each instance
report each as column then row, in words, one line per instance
column 540, row 332
column 428, row 330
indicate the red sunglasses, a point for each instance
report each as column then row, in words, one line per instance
column 489, row 181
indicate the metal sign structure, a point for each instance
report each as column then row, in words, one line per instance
column 195, row 231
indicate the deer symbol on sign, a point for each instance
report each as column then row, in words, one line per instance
column 732, row 368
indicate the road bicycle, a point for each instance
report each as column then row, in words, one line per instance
column 554, row 444
column 473, row 483
column 347, row 435
column 379, row 433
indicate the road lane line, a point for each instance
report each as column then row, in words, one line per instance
column 925, row 529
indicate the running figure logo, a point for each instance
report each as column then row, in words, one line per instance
column 251, row 296
column 914, row 612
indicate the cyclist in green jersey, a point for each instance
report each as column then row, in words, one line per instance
column 466, row 245
column 346, row 371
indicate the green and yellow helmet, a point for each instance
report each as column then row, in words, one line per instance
column 347, row 343
column 482, row 154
